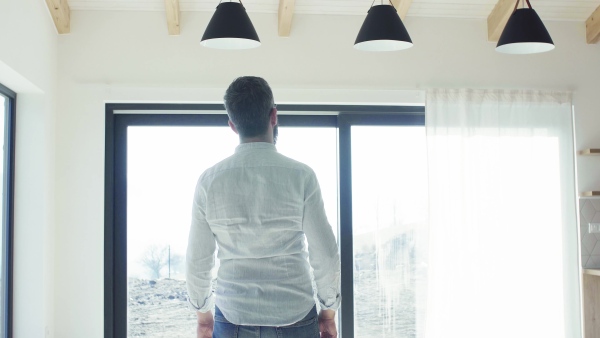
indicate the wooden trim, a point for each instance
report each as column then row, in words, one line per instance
column 402, row 6
column 592, row 27
column 286, row 14
column 172, row 9
column 591, row 305
column 590, row 193
column 498, row 18
column 61, row 14
column 590, row 151
column 593, row 272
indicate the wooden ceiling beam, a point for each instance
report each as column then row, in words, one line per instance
column 402, row 6
column 592, row 27
column 498, row 18
column 172, row 10
column 286, row 14
column 61, row 14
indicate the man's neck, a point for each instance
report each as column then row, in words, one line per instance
column 260, row 138
column 256, row 139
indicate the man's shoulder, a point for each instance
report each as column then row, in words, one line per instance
column 215, row 168
column 237, row 161
column 300, row 168
column 292, row 163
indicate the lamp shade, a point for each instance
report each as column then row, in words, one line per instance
column 382, row 30
column 230, row 28
column 524, row 33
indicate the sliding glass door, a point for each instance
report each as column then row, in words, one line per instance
column 372, row 173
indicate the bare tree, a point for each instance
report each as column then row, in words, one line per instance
column 155, row 259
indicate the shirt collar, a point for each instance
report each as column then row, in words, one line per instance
column 255, row 145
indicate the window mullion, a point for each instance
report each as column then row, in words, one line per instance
column 346, row 245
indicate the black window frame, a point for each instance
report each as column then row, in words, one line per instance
column 342, row 117
column 8, row 218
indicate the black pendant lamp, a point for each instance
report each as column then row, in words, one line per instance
column 230, row 28
column 382, row 31
column 524, row 33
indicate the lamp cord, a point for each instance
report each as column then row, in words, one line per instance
column 393, row 3
column 231, row 1
column 517, row 5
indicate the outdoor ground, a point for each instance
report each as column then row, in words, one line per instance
column 159, row 309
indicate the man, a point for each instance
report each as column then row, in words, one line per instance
column 258, row 206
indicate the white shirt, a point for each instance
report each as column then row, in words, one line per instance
column 259, row 206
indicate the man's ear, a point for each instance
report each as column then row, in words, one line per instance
column 232, row 126
column 273, row 117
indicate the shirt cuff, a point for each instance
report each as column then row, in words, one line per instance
column 331, row 303
column 207, row 304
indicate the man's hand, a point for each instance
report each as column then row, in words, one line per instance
column 327, row 325
column 206, row 324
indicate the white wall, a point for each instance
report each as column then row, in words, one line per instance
column 28, row 65
column 128, row 56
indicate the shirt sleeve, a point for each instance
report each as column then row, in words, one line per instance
column 200, row 257
column 322, row 247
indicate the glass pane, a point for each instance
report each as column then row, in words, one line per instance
column 389, row 203
column 164, row 164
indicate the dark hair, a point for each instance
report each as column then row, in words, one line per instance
column 249, row 101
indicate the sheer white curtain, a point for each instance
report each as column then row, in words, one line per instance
column 503, row 234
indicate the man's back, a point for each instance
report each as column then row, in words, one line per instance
column 259, row 205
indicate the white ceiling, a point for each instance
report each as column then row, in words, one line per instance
column 569, row 10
